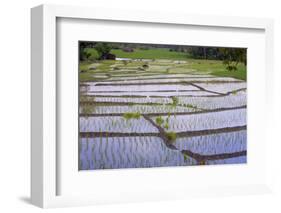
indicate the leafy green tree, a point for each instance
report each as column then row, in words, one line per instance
column 82, row 52
column 82, row 47
column 232, row 57
column 103, row 49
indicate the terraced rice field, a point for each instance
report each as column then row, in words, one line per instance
column 165, row 115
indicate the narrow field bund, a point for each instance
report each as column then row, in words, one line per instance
column 203, row 123
column 153, row 94
column 191, row 111
column 184, row 134
column 116, row 108
column 180, row 89
column 199, row 79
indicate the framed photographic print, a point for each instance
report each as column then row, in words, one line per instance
column 131, row 105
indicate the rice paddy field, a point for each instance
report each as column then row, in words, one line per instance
column 137, row 113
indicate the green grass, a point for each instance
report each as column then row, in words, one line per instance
column 155, row 53
column 213, row 67
column 217, row 68
column 88, row 76
column 240, row 73
column 83, row 65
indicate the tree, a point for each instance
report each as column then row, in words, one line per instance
column 103, row 49
column 82, row 47
column 232, row 56
column 211, row 53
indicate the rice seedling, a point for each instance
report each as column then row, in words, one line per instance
column 175, row 101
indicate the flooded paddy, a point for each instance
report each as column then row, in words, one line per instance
column 165, row 115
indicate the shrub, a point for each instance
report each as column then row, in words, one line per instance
column 145, row 66
column 171, row 136
column 159, row 120
column 131, row 115
column 103, row 49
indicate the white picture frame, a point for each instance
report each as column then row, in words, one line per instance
column 44, row 153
